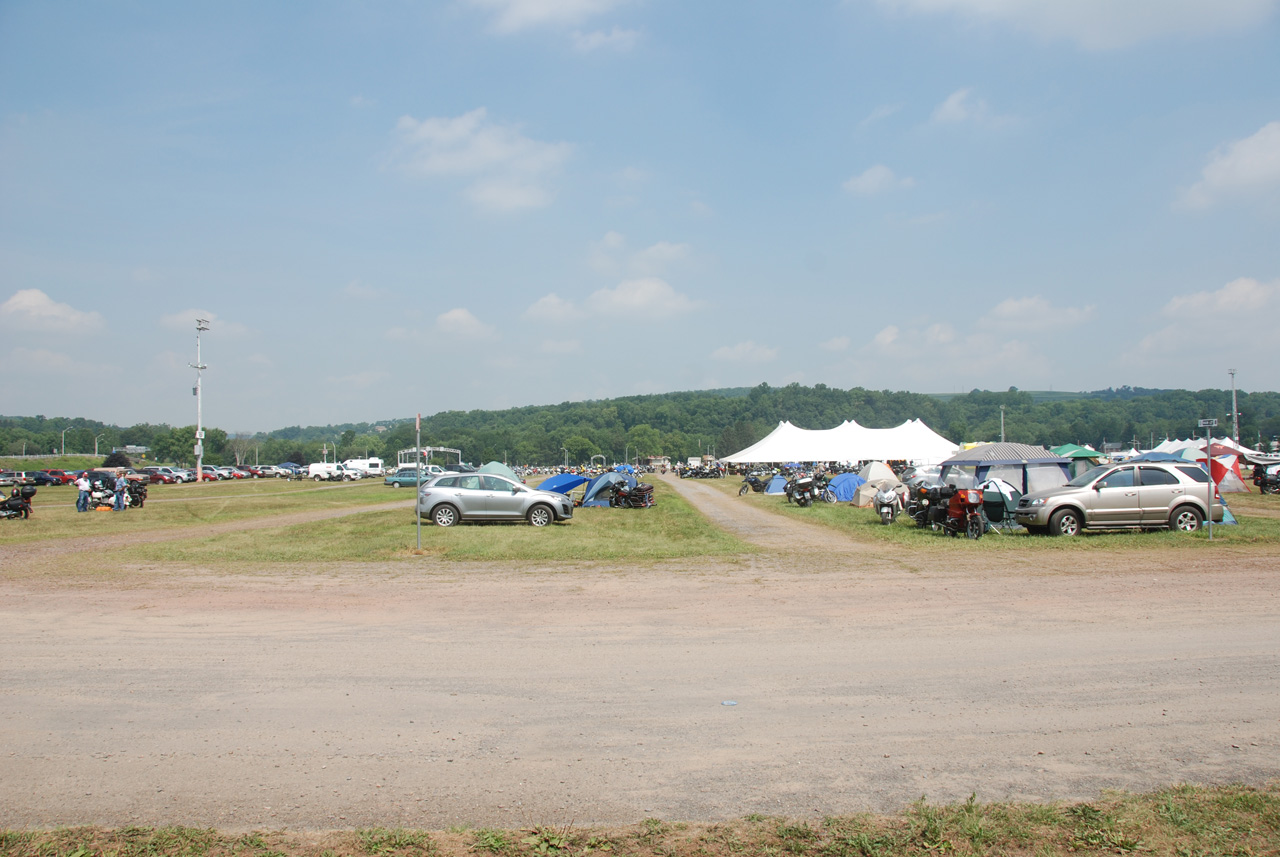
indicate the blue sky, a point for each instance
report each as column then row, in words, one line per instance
column 392, row 207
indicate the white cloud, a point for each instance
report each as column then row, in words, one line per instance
column 875, row 180
column 511, row 16
column 508, row 169
column 42, row 361
column 745, row 352
column 1241, row 168
column 1211, row 321
column 648, row 297
column 616, row 39
column 886, row 336
column 612, row 257
column 962, row 106
column 32, row 309
column 461, row 323
column 884, row 111
column 1034, row 313
column 1104, row 24
column 836, row 343
column 553, row 308
column 185, row 320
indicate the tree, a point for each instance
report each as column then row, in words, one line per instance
column 117, row 459
column 241, row 445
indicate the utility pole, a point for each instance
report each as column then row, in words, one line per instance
column 64, row 439
column 1235, row 412
column 1002, row 423
column 201, row 324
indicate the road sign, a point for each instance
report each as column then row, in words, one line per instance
column 1208, row 423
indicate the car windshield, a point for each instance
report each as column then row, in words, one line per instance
column 1088, row 476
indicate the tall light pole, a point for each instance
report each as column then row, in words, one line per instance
column 201, row 324
column 95, row 443
column 1235, row 412
column 566, row 457
column 64, row 439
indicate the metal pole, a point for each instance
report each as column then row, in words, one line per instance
column 417, row 480
column 64, row 440
column 1235, row 412
column 1002, row 423
column 201, row 324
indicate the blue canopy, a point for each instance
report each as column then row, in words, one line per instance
column 624, row 468
column 777, row 485
column 844, row 486
column 601, row 488
column 1158, row 456
column 562, row 482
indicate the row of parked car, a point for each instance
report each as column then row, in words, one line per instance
column 155, row 474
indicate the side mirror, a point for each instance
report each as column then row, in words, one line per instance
column 1098, row 486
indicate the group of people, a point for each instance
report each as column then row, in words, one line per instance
column 85, row 485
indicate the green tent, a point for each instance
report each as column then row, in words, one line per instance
column 1082, row 458
column 497, row 468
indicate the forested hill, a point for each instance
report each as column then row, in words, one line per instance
column 689, row 423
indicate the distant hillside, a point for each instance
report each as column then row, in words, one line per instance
column 689, row 423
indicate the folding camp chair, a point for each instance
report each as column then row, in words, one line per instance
column 998, row 509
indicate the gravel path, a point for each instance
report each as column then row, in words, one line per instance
column 435, row 694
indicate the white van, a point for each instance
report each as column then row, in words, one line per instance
column 329, row 471
column 367, row 466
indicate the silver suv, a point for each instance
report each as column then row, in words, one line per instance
column 1143, row 494
column 455, row 497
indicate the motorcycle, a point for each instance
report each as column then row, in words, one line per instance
column 948, row 509
column 753, row 483
column 639, row 497
column 888, row 504
column 1267, row 483
column 18, row 503
column 801, row 490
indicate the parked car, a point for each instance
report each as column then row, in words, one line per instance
column 405, row 476
column 1146, row 494
column 63, row 477
column 209, row 472
column 42, row 478
column 455, row 497
column 159, row 476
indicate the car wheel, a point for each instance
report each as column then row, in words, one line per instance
column 1185, row 519
column 317, row 477
column 395, row 484
column 444, row 515
column 1065, row 522
column 541, row 515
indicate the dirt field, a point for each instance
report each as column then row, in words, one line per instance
column 438, row 694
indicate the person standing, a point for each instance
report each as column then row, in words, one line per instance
column 122, row 482
column 83, row 486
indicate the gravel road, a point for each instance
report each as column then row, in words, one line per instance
column 818, row 676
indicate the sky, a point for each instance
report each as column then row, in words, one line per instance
column 385, row 208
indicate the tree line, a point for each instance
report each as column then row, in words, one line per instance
column 685, row 424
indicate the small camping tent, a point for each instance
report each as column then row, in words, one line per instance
column 497, row 468
column 600, row 489
column 844, row 485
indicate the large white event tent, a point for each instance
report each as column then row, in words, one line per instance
column 912, row 441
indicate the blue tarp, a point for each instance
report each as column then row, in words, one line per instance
column 777, row 485
column 1158, row 456
column 562, row 482
column 624, row 468
column 599, row 490
column 844, row 486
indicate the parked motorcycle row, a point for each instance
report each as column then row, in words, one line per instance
column 943, row 508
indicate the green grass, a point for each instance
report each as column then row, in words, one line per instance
column 1259, row 524
column 172, row 506
column 670, row 530
column 1183, row 821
